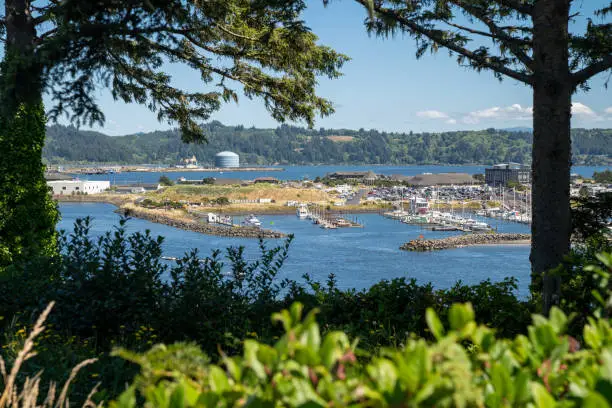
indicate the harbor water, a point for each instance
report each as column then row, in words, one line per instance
column 302, row 172
column 359, row 257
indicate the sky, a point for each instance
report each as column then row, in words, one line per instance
column 385, row 87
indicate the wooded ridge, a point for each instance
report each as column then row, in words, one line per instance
column 297, row 145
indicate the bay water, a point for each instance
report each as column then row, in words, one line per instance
column 359, row 257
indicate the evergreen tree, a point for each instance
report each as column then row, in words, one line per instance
column 67, row 48
column 528, row 41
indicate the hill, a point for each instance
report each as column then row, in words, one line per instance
column 297, row 145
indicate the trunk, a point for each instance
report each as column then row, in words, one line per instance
column 27, row 213
column 551, row 227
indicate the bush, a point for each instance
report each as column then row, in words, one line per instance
column 165, row 180
column 466, row 365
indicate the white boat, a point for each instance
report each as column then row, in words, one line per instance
column 251, row 221
column 302, row 212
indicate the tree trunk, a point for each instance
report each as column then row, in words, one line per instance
column 551, row 226
column 27, row 212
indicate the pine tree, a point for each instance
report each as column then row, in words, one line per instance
column 528, row 41
column 68, row 48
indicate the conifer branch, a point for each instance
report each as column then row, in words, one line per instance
column 514, row 44
column 584, row 74
column 439, row 37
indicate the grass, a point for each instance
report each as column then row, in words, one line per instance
column 252, row 192
column 26, row 395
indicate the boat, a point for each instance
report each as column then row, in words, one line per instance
column 302, row 212
column 251, row 221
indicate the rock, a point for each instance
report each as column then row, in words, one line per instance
column 204, row 228
column 462, row 241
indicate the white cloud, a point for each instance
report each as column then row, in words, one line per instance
column 432, row 114
column 580, row 109
column 512, row 112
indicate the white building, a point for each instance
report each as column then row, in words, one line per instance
column 69, row 187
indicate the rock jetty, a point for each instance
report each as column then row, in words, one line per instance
column 199, row 226
column 459, row 241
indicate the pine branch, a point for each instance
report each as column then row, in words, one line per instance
column 511, row 42
column 583, row 75
column 438, row 37
column 517, row 5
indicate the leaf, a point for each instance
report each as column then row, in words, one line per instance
column 217, row 380
column 557, row 319
column 460, row 315
column 127, row 399
column 434, row 324
column 384, row 373
column 594, row 400
column 541, row 396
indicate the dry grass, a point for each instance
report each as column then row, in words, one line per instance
column 341, row 138
column 277, row 193
column 28, row 396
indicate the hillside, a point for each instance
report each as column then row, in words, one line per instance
column 296, row 145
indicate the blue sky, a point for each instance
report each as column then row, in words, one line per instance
column 385, row 87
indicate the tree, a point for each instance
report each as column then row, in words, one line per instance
column 67, row 48
column 528, row 41
column 165, row 180
column 604, row 176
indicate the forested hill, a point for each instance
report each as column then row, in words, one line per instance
column 296, row 145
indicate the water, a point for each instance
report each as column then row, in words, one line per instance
column 359, row 257
column 301, row 172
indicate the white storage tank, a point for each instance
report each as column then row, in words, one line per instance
column 227, row 159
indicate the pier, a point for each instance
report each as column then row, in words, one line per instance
column 328, row 220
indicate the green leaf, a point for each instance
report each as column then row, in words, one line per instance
column 384, row 374
column 541, row 396
column 217, row 380
column 557, row 319
column 434, row 324
column 594, row 400
column 460, row 315
column 127, row 399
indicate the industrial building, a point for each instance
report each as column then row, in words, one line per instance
column 70, row 187
column 227, row 160
column 504, row 173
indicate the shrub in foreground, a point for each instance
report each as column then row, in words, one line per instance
column 465, row 366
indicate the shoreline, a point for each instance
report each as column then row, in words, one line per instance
column 177, row 219
column 135, row 169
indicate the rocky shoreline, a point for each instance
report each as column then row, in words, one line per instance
column 421, row 245
column 201, row 227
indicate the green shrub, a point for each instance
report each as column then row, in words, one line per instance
column 466, row 366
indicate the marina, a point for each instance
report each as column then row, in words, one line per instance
column 359, row 257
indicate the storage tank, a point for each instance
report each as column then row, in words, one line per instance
column 227, row 159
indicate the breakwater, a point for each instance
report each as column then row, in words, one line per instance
column 459, row 241
column 187, row 223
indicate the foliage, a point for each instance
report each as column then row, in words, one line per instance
column 262, row 48
column 12, row 396
column 27, row 212
column 149, row 203
column 165, row 180
column 222, row 201
column 296, row 145
column 603, row 176
column 591, row 214
column 466, row 365
column 479, row 177
column 109, row 288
